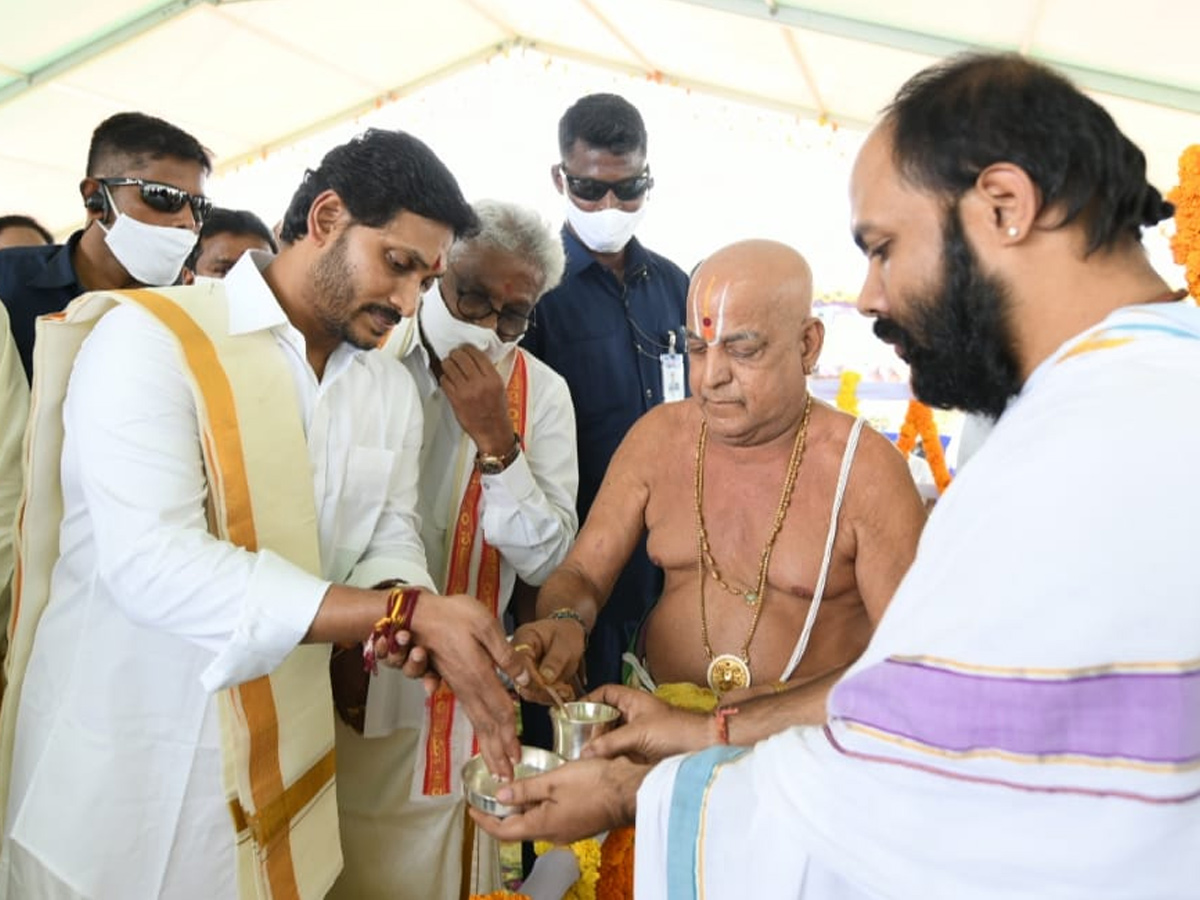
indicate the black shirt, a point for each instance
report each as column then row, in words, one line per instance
column 35, row 281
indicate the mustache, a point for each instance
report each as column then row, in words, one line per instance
column 391, row 314
column 888, row 331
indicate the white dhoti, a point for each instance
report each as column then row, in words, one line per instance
column 382, row 822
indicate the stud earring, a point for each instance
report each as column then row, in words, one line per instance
column 1013, row 231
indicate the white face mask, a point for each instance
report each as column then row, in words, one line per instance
column 604, row 230
column 446, row 333
column 152, row 254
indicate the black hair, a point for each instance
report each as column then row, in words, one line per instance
column 132, row 135
column 378, row 175
column 19, row 221
column 605, row 121
column 954, row 119
column 230, row 221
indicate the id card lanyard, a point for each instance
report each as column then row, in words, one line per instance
column 671, row 364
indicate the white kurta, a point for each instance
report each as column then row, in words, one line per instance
column 528, row 510
column 14, row 408
column 117, row 781
column 1023, row 723
column 396, row 849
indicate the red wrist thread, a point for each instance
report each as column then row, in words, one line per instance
column 401, row 605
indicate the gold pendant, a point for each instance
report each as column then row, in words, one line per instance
column 727, row 672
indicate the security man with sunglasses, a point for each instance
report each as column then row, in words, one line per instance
column 613, row 328
column 144, row 197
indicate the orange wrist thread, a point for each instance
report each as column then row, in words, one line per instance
column 722, row 716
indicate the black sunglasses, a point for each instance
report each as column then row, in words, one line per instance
column 165, row 198
column 475, row 305
column 593, row 189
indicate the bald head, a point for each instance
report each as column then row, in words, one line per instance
column 752, row 340
column 761, row 277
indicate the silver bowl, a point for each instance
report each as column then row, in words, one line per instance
column 480, row 785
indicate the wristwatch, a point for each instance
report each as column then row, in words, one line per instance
column 487, row 464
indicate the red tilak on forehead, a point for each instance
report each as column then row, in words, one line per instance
column 707, row 329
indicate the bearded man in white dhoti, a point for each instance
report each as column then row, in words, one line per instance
column 499, row 472
column 1022, row 723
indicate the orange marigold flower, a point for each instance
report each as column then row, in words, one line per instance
column 1185, row 245
column 616, row 866
column 918, row 423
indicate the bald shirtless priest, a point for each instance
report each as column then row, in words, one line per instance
column 782, row 525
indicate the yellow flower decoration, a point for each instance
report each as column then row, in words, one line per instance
column 1185, row 245
column 847, row 395
column 685, row 695
column 587, row 854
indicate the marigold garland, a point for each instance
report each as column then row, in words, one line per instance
column 847, row 395
column 918, row 422
column 587, row 854
column 616, row 865
column 500, row 895
column 1185, row 245
column 685, row 695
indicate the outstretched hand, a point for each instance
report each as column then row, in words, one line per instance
column 651, row 731
column 466, row 646
column 576, row 800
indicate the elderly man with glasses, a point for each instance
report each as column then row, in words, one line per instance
column 497, row 504
column 144, row 198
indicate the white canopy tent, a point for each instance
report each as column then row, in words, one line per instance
column 251, row 76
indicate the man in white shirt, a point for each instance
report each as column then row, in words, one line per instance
column 497, row 502
column 161, row 747
column 1022, row 723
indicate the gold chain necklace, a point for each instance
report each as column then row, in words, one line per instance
column 726, row 672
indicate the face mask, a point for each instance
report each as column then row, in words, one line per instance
column 604, row 230
column 151, row 254
column 446, row 333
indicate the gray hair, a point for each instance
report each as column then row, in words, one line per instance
column 520, row 231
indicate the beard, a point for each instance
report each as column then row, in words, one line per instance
column 958, row 343
column 335, row 291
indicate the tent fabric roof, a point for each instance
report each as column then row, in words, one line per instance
column 250, row 76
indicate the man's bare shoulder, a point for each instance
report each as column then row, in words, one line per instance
column 654, row 443
column 828, row 428
column 881, row 484
column 664, row 427
column 878, row 468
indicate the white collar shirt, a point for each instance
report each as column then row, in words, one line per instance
column 527, row 512
column 150, row 615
